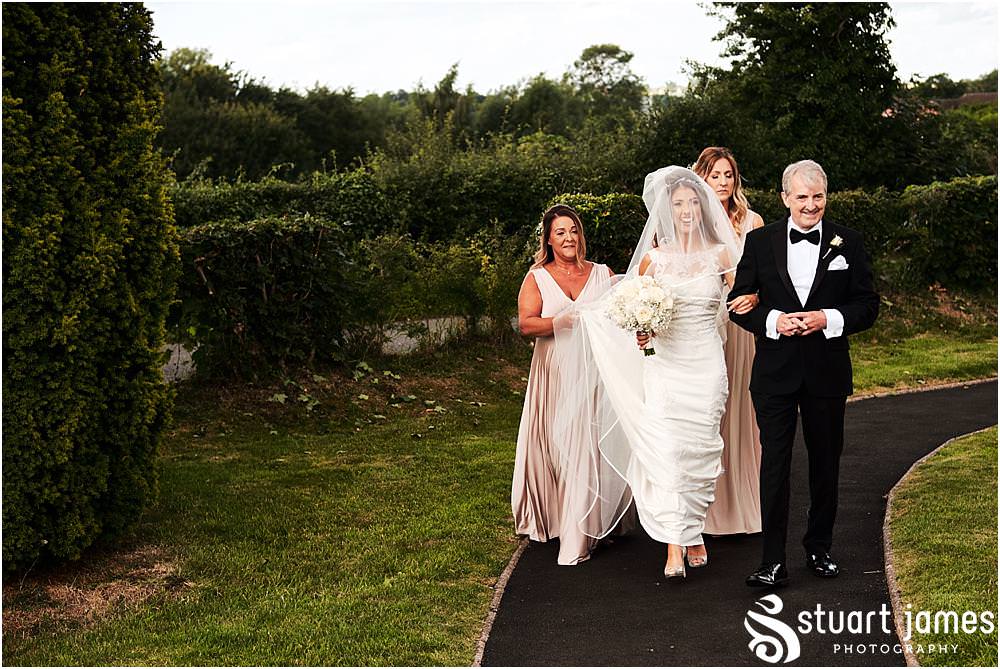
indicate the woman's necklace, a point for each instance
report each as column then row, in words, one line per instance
column 568, row 269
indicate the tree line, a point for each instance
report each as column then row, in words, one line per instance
column 803, row 80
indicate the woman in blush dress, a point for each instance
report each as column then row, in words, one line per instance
column 554, row 471
column 736, row 509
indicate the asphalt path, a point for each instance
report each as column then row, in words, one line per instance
column 616, row 609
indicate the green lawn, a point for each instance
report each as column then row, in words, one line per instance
column 932, row 337
column 921, row 360
column 944, row 537
column 355, row 518
column 305, row 539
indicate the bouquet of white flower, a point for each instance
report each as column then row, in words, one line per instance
column 642, row 304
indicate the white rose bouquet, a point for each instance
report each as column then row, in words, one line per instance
column 642, row 304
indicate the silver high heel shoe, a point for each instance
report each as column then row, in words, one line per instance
column 698, row 560
column 677, row 572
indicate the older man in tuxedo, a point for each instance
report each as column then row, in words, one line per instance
column 814, row 281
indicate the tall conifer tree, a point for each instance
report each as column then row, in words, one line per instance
column 90, row 265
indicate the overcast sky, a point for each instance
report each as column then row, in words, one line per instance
column 378, row 46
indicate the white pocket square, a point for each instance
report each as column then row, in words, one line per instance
column 839, row 262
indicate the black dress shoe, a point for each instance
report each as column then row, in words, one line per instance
column 822, row 564
column 768, row 575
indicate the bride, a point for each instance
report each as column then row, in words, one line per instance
column 657, row 417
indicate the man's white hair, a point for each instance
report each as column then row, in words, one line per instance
column 807, row 170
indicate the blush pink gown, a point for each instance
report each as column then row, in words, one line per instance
column 736, row 509
column 543, row 503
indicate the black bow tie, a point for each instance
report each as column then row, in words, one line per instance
column 811, row 237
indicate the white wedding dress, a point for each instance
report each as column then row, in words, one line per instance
column 669, row 450
column 657, row 417
column 677, row 460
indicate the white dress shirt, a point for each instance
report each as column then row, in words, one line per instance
column 803, row 258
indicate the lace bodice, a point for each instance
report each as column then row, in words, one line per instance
column 680, row 268
column 698, row 289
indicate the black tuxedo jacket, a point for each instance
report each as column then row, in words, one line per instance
column 782, row 365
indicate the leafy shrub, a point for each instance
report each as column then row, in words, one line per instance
column 952, row 230
column 362, row 285
column 390, row 265
column 268, row 292
column 477, row 280
column 280, row 292
column 768, row 204
column 442, row 193
column 447, row 281
column 349, row 198
column 403, row 282
column 504, row 261
column 89, row 272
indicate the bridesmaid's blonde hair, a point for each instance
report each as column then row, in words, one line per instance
column 739, row 205
column 544, row 254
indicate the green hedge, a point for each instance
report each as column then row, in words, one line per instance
column 941, row 233
column 332, row 293
column 265, row 292
column 445, row 194
column 351, row 199
column 88, row 273
column 952, row 230
column 429, row 199
column 278, row 292
column 426, row 188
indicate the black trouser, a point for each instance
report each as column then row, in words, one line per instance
column 823, row 431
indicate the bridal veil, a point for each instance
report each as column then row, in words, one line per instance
column 688, row 230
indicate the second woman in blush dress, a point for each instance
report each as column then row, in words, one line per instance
column 736, row 509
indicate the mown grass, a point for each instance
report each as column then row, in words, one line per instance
column 932, row 337
column 944, row 538
column 322, row 537
column 921, row 360
column 360, row 516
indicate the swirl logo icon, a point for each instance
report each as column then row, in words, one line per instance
column 778, row 641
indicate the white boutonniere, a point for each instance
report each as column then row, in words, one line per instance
column 835, row 243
